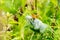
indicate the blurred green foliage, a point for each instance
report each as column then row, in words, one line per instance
column 47, row 9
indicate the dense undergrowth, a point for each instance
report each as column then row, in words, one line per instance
column 16, row 12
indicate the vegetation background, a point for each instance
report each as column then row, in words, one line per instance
column 13, row 22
